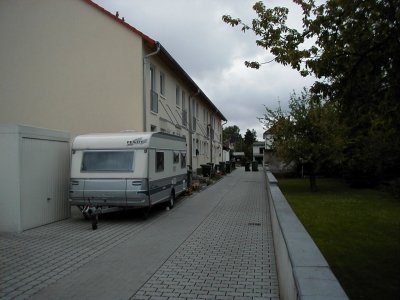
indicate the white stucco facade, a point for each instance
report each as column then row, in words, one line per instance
column 69, row 67
column 72, row 66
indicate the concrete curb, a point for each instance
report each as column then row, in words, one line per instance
column 303, row 272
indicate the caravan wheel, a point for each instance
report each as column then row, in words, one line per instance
column 171, row 201
column 94, row 219
column 146, row 212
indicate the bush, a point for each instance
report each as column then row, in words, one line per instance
column 392, row 187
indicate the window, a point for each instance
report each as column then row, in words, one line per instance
column 184, row 117
column 194, row 114
column 154, row 102
column 176, row 157
column 107, row 161
column 184, row 111
column 183, row 160
column 178, row 96
column 162, row 83
column 152, row 77
column 194, row 124
column 159, row 161
column 153, row 93
column 193, row 107
column 153, row 128
column 183, row 100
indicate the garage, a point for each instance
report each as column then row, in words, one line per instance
column 34, row 173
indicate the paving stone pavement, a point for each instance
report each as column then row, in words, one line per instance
column 226, row 251
column 229, row 256
column 36, row 258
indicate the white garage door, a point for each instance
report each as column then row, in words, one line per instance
column 44, row 182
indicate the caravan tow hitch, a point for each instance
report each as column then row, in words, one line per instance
column 92, row 213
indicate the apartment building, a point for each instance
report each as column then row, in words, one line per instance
column 76, row 67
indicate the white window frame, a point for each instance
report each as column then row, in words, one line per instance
column 162, row 84
column 153, row 92
column 178, row 96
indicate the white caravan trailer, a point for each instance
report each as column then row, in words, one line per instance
column 126, row 170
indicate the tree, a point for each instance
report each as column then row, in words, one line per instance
column 310, row 133
column 231, row 135
column 249, row 138
column 352, row 48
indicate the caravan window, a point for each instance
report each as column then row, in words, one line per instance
column 176, row 157
column 107, row 161
column 159, row 161
column 183, row 160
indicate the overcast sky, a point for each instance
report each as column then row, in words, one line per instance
column 213, row 53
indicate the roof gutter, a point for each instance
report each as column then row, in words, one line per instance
column 145, row 62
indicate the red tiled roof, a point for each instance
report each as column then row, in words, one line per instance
column 145, row 38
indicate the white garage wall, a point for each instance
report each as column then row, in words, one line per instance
column 34, row 177
column 44, row 182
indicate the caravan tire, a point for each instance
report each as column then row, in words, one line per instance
column 85, row 215
column 146, row 212
column 171, row 201
column 94, row 219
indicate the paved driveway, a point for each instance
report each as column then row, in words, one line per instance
column 216, row 244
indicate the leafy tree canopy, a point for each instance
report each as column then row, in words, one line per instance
column 345, row 32
column 231, row 135
column 310, row 133
column 250, row 137
column 352, row 48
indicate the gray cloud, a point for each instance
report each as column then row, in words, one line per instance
column 213, row 53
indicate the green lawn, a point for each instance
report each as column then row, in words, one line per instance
column 358, row 232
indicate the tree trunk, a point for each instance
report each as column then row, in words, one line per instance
column 313, row 180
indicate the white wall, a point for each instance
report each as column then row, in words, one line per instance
column 226, row 156
column 34, row 177
column 70, row 67
column 169, row 118
column 9, row 182
column 66, row 65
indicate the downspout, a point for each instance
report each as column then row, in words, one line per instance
column 222, row 140
column 145, row 61
column 211, row 137
column 190, row 127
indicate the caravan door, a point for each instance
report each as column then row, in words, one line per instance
column 159, row 182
